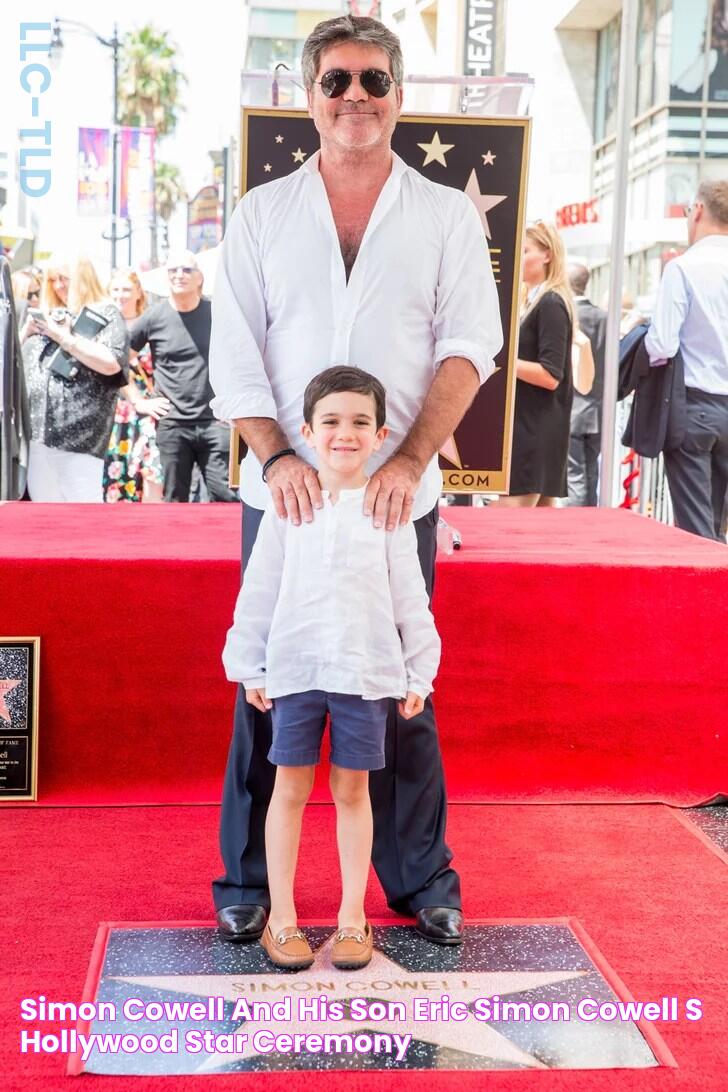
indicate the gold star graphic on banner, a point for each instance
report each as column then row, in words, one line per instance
column 299, row 156
column 489, row 159
column 483, row 202
column 279, row 139
column 450, row 450
column 471, row 1036
column 267, row 168
column 435, row 150
column 6, row 685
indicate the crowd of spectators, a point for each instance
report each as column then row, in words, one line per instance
column 118, row 387
column 120, row 409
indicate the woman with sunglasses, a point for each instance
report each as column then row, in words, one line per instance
column 26, row 292
column 544, row 386
column 71, row 413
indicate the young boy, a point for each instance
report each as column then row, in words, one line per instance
column 333, row 617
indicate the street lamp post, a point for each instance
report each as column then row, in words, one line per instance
column 113, row 44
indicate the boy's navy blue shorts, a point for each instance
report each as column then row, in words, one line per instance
column 358, row 728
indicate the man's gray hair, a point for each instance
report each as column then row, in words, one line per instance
column 350, row 28
column 714, row 195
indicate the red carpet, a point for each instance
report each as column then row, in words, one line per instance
column 581, row 660
column 646, row 890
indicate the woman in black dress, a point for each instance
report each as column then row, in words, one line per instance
column 544, row 388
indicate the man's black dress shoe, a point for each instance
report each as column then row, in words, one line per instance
column 241, row 923
column 441, row 924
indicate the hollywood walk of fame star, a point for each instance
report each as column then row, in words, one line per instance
column 489, row 159
column 267, row 168
column 279, row 139
column 483, row 202
column 435, row 150
column 299, row 156
column 471, row 1036
column 6, row 685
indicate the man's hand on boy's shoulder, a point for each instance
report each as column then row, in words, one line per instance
column 412, row 705
column 391, row 491
column 295, row 489
column 257, row 697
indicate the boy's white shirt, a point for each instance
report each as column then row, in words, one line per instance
column 323, row 606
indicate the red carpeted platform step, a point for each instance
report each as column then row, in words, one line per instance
column 645, row 889
column 582, row 657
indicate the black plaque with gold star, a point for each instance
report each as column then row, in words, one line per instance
column 19, row 667
column 486, row 158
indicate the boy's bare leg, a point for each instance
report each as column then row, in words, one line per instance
column 350, row 790
column 282, row 836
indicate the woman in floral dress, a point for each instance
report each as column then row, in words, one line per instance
column 133, row 469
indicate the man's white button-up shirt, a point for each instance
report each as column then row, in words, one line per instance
column 421, row 290
column 691, row 314
column 333, row 605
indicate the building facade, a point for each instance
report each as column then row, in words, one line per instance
column 679, row 132
column 449, row 37
column 277, row 29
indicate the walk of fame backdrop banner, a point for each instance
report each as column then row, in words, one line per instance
column 487, row 158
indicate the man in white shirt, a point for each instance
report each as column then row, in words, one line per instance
column 354, row 258
column 691, row 314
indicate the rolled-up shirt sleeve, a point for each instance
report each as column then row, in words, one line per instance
column 467, row 320
column 237, row 371
column 662, row 340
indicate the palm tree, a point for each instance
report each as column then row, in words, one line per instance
column 169, row 190
column 149, row 81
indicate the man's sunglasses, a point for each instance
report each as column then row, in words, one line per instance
column 375, row 82
column 180, row 269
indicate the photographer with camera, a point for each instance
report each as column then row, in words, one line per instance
column 76, row 357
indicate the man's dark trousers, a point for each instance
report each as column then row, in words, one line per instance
column 586, row 413
column 408, row 796
column 583, row 469
column 183, row 443
column 697, row 471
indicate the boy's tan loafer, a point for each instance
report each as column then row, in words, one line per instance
column 352, row 948
column 288, row 948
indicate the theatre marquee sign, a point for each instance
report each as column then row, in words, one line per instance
column 480, row 35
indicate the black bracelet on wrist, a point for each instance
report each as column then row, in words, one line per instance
column 278, row 455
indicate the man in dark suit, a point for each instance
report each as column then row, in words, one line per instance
column 586, row 412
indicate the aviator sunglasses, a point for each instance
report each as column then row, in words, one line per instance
column 338, row 80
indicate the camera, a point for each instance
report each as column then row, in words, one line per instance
column 64, row 366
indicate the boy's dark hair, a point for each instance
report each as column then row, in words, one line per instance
column 342, row 378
